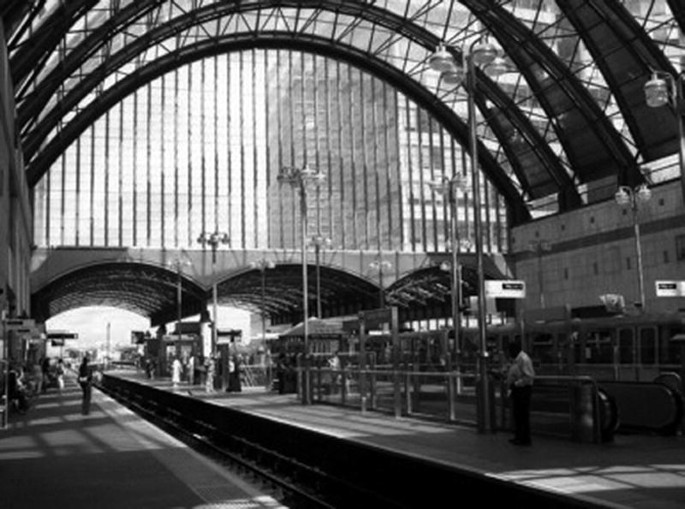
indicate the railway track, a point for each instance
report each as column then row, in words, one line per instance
column 305, row 469
column 294, row 484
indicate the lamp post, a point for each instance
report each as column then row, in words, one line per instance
column 109, row 331
column 657, row 94
column 480, row 53
column 379, row 265
column 449, row 187
column 299, row 179
column 262, row 265
column 319, row 242
column 214, row 239
column 633, row 198
column 539, row 247
column 176, row 265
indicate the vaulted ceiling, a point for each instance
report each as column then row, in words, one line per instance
column 568, row 116
column 562, row 127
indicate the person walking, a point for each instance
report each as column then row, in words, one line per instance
column 176, row 370
column 37, row 376
column 520, row 378
column 211, row 371
column 85, row 378
column 59, row 371
column 191, row 370
column 45, row 369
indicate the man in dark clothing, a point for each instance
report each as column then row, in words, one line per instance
column 85, row 378
column 16, row 390
column 45, row 368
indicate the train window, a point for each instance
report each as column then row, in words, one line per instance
column 648, row 345
column 598, row 347
column 670, row 352
column 577, row 347
column 542, row 347
column 625, row 346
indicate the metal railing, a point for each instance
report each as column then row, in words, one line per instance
column 571, row 407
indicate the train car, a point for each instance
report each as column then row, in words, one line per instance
column 619, row 348
column 609, row 348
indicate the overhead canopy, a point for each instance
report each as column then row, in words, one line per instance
column 317, row 329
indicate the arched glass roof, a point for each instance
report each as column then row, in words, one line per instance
column 562, row 127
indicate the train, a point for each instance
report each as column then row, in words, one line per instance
column 638, row 347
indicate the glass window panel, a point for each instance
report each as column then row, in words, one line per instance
column 648, row 345
column 626, row 345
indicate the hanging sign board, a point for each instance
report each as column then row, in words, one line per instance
column 24, row 325
column 375, row 318
column 505, row 289
column 670, row 288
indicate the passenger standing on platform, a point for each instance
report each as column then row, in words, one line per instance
column 238, row 373
column 37, row 375
column 191, row 370
column 176, row 370
column 45, row 368
column 17, row 389
column 60, row 374
column 85, row 378
column 520, row 383
column 209, row 381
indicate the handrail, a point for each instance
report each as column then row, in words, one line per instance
column 405, row 376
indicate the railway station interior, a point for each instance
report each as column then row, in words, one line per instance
column 395, row 189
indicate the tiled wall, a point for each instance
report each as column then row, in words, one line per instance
column 592, row 251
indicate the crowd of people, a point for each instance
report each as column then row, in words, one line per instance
column 213, row 373
column 28, row 380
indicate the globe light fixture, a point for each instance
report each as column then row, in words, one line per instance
column 663, row 89
column 442, row 60
column 656, row 91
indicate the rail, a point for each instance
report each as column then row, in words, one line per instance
column 573, row 407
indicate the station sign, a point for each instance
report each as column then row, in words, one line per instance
column 25, row 325
column 62, row 335
column 505, row 289
column 226, row 337
column 375, row 318
column 175, row 337
column 670, row 288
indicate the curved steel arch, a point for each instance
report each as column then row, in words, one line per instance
column 633, row 54
column 579, row 134
column 536, row 170
column 283, row 295
column 144, row 289
column 506, row 119
column 449, row 120
column 31, row 58
column 529, row 162
column 678, row 10
column 431, row 286
column 197, row 16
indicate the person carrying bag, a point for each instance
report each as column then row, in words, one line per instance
column 85, row 378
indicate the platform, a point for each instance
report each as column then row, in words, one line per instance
column 634, row 471
column 54, row 457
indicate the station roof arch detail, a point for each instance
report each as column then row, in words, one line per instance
column 151, row 291
column 595, row 125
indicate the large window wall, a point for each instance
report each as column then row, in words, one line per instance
column 199, row 149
